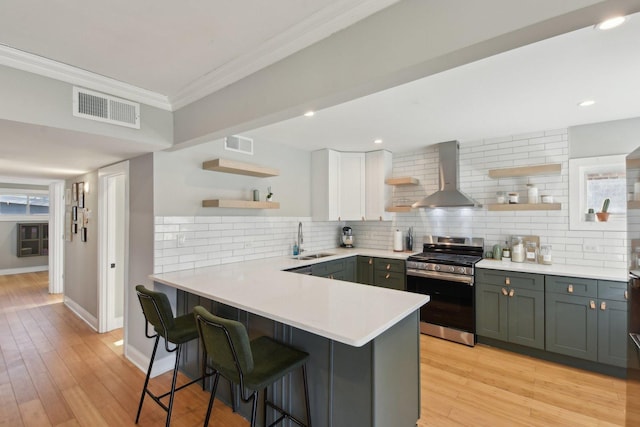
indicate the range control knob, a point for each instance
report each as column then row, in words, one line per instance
column 461, row 270
column 451, row 269
column 436, row 267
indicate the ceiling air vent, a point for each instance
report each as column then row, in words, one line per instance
column 238, row 143
column 105, row 108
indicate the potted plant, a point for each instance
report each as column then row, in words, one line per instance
column 269, row 194
column 603, row 215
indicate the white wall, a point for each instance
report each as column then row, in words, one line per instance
column 476, row 158
column 181, row 184
column 604, row 139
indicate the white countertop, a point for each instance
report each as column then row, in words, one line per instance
column 557, row 270
column 350, row 313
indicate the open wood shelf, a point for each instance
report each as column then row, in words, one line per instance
column 239, row 168
column 403, row 180
column 398, row 209
column 524, row 207
column 549, row 169
column 633, row 204
column 242, row 204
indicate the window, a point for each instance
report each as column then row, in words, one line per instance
column 17, row 203
column 591, row 181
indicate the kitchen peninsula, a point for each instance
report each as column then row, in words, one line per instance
column 363, row 340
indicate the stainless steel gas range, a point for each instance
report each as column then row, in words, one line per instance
column 445, row 271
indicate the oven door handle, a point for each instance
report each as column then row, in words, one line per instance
column 467, row 280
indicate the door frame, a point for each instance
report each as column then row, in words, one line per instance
column 104, row 174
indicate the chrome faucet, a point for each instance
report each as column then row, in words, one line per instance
column 300, row 238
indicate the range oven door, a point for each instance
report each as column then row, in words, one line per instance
column 452, row 303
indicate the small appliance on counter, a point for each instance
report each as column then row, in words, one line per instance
column 347, row 237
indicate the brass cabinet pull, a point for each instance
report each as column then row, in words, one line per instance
column 370, row 261
column 512, row 292
column 570, row 289
column 363, row 218
column 592, row 305
column 603, row 305
column 507, row 281
column 504, row 292
column 626, row 294
column 387, row 276
column 331, row 276
column 381, row 218
column 388, row 266
column 339, row 218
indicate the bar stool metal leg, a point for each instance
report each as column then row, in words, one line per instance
column 146, row 380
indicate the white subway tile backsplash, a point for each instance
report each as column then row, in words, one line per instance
column 215, row 240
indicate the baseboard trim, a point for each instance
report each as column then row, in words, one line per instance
column 83, row 314
column 21, row 270
column 141, row 360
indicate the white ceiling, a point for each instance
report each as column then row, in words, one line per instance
column 181, row 51
column 533, row 88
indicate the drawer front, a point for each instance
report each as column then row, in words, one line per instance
column 616, row 291
column 572, row 286
column 534, row 282
column 390, row 279
column 394, row 265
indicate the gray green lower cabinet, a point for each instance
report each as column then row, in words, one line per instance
column 340, row 269
column 375, row 385
column 576, row 317
column 365, row 270
column 510, row 307
column 587, row 318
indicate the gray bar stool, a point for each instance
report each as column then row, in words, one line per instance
column 253, row 365
column 175, row 330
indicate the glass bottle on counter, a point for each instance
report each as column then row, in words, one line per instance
column 545, row 254
column 517, row 249
column 531, row 252
column 506, row 252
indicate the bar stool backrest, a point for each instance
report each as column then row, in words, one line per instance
column 156, row 309
column 227, row 343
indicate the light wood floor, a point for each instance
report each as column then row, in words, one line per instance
column 54, row 370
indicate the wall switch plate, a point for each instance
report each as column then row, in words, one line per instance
column 591, row 248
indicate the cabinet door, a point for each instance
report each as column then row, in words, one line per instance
column 378, row 166
column 350, row 269
column 612, row 332
column 365, row 270
column 351, row 188
column 324, row 185
column 491, row 311
column 572, row 325
column 526, row 317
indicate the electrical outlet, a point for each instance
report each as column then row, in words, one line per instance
column 181, row 237
column 591, row 248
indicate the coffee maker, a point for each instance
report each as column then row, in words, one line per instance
column 347, row 237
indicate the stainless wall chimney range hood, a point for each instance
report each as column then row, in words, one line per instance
column 448, row 196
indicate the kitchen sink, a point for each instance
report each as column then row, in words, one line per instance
column 314, row 256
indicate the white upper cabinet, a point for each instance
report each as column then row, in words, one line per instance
column 379, row 165
column 349, row 186
column 351, row 189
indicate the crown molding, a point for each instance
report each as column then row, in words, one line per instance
column 316, row 27
column 35, row 64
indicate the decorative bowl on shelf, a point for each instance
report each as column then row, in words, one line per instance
column 602, row 216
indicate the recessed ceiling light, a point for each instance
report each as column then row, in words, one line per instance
column 309, row 113
column 611, row 23
column 377, row 141
column 586, row 103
